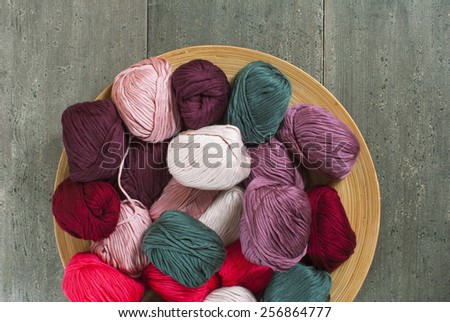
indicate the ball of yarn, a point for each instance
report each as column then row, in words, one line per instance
column 224, row 215
column 202, row 93
column 332, row 240
column 87, row 279
column 211, row 158
column 175, row 196
column 319, row 141
column 271, row 160
column 143, row 97
column 86, row 210
column 184, row 248
column 230, row 294
column 145, row 172
column 275, row 224
column 93, row 137
column 258, row 102
column 299, row 284
column 122, row 249
column 238, row 271
column 172, row 291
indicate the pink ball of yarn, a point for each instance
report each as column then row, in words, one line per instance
column 202, row 93
column 175, row 196
column 122, row 249
column 275, row 224
column 145, row 172
column 87, row 279
column 93, row 137
column 143, row 97
column 172, row 291
column 319, row 140
column 271, row 161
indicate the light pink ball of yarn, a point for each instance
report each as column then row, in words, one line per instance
column 230, row 294
column 175, row 196
column 211, row 158
column 224, row 214
column 122, row 249
column 143, row 97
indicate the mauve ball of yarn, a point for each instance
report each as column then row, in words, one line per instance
column 258, row 102
column 230, row 294
column 143, row 97
column 224, row 215
column 238, row 271
column 299, row 284
column 275, row 224
column 122, row 249
column 271, row 160
column 202, row 93
column 332, row 240
column 211, row 158
column 93, row 137
column 87, row 279
column 145, row 172
column 175, row 196
column 88, row 211
column 184, row 248
column 172, row 291
column 320, row 141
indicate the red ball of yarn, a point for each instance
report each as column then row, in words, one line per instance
column 172, row 291
column 93, row 137
column 331, row 240
column 86, row 210
column 145, row 172
column 202, row 93
column 238, row 271
column 87, row 279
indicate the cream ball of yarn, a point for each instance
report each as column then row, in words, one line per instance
column 230, row 294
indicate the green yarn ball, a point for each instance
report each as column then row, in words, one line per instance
column 184, row 248
column 259, row 100
column 299, row 284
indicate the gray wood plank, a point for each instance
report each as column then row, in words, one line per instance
column 52, row 54
column 289, row 29
column 388, row 63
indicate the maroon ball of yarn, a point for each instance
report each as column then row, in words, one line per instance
column 93, row 137
column 202, row 93
column 331, row 240
column 319, row 141
column 88, row 211
column 271, row 160
column 145, row 172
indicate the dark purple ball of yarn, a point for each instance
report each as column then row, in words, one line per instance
column 202, row 93
column 93, row 137
column 320, row 141
column 145, row 172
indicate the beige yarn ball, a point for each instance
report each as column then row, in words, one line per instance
column 210, row 158
column 224, row 215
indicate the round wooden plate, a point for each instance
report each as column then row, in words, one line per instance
column 359, row 192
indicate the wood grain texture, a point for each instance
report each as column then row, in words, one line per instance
column 388, row 63
column 53, row 54
column 288, row 29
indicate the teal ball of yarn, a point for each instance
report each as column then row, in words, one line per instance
column 259, row 100
column 184, row 248
column 299, row 284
